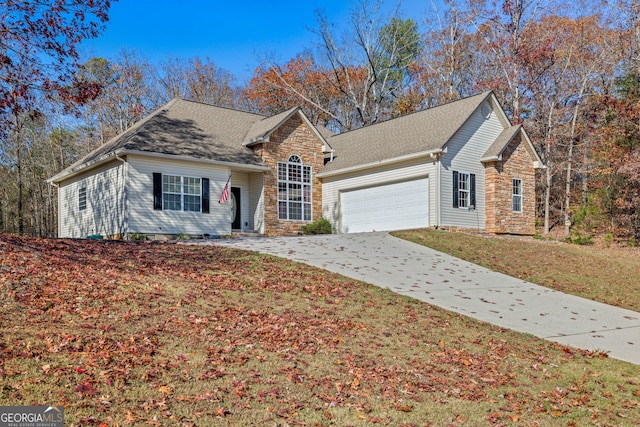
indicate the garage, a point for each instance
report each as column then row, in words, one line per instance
column 396, row 206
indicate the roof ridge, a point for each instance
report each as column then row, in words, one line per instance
column 484, row 94
column 220, row 107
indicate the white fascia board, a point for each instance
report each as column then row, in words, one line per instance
column 255, row 141
column 315, row 130
column 539, row 165
column 66, row 174
column 491, row 159
column 433, row 154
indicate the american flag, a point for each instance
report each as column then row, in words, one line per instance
column 225, row 192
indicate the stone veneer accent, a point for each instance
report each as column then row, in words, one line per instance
column 516, row 162
column 292, row 137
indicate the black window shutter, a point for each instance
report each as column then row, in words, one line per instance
column 455, row 189
column 157, row 191
column 205, row 195
column 472, row 195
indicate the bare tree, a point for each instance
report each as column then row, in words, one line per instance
column 198, row 80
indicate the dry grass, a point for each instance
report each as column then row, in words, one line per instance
column 169, row 335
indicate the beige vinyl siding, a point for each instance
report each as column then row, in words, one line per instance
column 463, row 154
column 144, row 219
column 106, row 203
column 256, row 202
column 332, row 186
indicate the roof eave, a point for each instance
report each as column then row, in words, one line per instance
column 490, row 159
column 255, row 141
column 65, row 175
column 433, row 154
column 234, row 165
column 70, row 173
column 539, row 165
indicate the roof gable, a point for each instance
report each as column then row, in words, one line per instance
column 494, row 152
column 422, row 131
column 260, row 131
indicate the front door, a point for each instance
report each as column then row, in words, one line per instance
column 236, row 217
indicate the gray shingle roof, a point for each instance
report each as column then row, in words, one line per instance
column 201, row 131
column 262, row 128
column 496, row 149
column 417, row 132
column 184, row 128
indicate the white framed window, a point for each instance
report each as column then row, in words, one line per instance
column 516, row 185
column 294, row 190
column 464, row 190
column 181, row 193
column 82, row 198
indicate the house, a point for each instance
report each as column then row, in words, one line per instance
column 461, row 164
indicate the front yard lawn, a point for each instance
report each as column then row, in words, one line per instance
column 145, row 333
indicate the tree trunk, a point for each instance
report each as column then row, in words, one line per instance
column 547, row 198
column 567, row 198
column 574, row 120
column 548, row 171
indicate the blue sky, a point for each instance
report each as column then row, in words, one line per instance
column 234, row 34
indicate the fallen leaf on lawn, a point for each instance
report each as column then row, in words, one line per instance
column 165, row 389
column 221, row 412
column 402, row 408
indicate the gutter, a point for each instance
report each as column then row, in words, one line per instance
column 81, row 168
column 123, row 152
column 59, row 203
column 433, row 154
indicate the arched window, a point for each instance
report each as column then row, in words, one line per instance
column 294, row 190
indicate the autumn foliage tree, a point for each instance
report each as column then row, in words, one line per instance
column 617, row 158
column 299, row 82
column 38, row 50
column 356, row 77
column 38, row 59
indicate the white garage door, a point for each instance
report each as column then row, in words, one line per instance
column 396, row 206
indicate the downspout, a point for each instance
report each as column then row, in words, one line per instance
column 59, row 219
column 125, row 175
column 437, row 187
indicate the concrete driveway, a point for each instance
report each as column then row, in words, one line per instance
column 456, row 285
